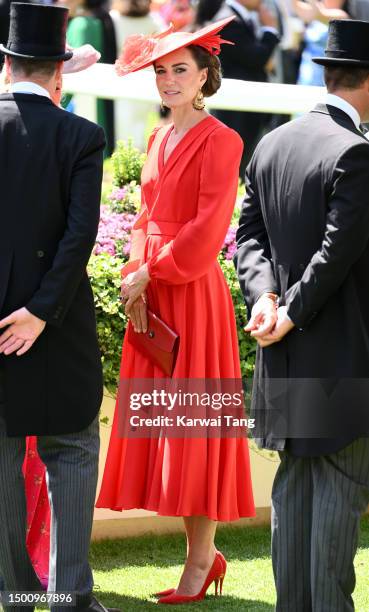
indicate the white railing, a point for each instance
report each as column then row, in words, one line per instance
column 101, row 81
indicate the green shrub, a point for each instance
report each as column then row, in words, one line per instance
column 125, row 199
column 247, row 345
column 127, row 162
column 104, row 271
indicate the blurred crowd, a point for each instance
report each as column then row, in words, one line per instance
column 275, row 41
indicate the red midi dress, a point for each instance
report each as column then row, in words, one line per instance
column 187, row 204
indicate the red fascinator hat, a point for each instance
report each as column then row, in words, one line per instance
column 141, row 51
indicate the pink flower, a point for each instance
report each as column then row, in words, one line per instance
column 114, row 232
column 229, row 245
column 118, row 194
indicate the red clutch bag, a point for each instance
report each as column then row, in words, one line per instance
column 159, row 344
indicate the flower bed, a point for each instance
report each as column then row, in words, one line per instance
column 120, row 204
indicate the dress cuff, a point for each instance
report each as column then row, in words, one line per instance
column 131, row 266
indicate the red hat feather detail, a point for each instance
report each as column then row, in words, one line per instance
column 212, row 43
column 137, row 50
column 141, row 51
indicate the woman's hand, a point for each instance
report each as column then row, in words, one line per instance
column 138, row 315
column 133, row 286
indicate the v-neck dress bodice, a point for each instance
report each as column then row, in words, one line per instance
column 187, row 204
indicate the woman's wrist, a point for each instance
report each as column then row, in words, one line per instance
column 144, row 272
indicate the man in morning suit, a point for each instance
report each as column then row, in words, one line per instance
column 303, row 240
column 254, row 32
column 50, row 369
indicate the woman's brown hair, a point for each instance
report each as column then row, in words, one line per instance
column 204, row 59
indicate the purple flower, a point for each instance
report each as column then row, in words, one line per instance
column 118, row 194
column 229, row 245
column 127, row 248
column 114, row 228
column 231, row 251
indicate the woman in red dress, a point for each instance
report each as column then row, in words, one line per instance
column 189, row 187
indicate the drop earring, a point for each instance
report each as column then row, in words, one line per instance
column 198, row 102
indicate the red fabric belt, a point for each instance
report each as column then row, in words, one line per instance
column 165, row 228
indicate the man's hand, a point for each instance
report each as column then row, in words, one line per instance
column 23, row 328
column 138, row 315
column 282, row 327
column 263, row 317
column 133, row 286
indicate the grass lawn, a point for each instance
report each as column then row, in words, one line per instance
column 128, row 571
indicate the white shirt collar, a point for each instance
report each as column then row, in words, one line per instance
column 344, row 106
column 29, row 88
column 240, row 8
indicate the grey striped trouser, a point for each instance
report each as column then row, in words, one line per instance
column 316, row 508
column 72, row 466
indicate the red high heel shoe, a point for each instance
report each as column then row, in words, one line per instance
column 216, row 574
column 164, row 593
column 170, row 591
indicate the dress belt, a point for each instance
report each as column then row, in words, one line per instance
column 163, row 228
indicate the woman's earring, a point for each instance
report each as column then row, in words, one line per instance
column 162, row 106
column 198, row 102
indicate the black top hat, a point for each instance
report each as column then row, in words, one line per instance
column 348, row 44
column 37, row 32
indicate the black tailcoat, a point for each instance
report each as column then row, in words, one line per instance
column 51, row 172
column 304, row 233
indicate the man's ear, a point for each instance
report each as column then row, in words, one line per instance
column 7, row 66
column 59, row 71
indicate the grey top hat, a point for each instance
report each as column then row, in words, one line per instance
column 348, row 44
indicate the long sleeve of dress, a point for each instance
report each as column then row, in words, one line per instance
column 195, row 248
column 138, row 238
column 138, row 233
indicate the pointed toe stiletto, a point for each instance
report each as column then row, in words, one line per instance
column 216, row 575
column 170, row 591
column 164, row 593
